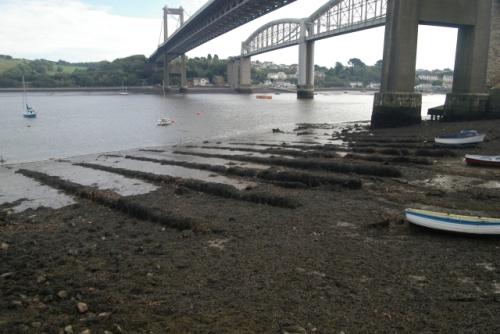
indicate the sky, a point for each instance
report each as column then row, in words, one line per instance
column 94, row 30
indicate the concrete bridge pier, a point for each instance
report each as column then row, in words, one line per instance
column 469, row 97
column 166, row 74
column 397, row 104
column 245, row 76
column 183, row 87
column 232, row 74
column 305, row 80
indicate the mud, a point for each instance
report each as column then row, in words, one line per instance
column 179, row 260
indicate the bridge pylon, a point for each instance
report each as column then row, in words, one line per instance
column 166, row 63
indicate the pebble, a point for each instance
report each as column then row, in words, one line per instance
column 68, row 329
column 4, row 246
column 103, row 315
column 86, row 331
column 36, row 324
column 108, row 332
column 17, row 303
column 41, row 279
column 63, row 294
column 82, row 307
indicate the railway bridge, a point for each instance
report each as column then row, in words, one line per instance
column 477, row 63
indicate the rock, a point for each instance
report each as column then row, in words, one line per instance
column 17, row 303
column 118, row 328
column 36, row 324
column 277, row 130
column 4, row 246
column 82, row 307
column 63, row 294
column 103, row 315
column 68, row 329
column 6, row 275
column 86, row 331
column 108, row 332
column 41, row 279
column 288, row 327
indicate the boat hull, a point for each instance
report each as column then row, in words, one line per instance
column 480, row 160
column 460, row 141
column 29, row 115
column 453, row 223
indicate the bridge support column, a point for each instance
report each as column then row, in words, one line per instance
column 245, row 76
column 183, row 87
column 469, row 98
column 233, row 74
column 166, row 74
column 494, row 62
column 305, row 86
column 494, row 54
column 397, row 104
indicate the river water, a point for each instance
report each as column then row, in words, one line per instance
column 71, row 124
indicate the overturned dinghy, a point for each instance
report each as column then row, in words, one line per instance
column 453, row 223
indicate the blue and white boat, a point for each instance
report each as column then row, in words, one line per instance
column 464, row 137
column 453, row 223
column 28, row 112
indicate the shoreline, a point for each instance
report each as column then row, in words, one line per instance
column 255, row 236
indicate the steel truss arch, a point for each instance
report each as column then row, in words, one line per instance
column 274, row 35
column 334, row 18
column 337, row 17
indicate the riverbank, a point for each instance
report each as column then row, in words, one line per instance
column 298, row 231
column 142, row 90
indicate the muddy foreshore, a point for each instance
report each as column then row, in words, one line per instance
column 316, row 243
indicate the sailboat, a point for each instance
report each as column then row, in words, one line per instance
column 124, row 90
column 28, row 112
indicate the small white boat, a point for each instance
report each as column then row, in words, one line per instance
column 453, row 223
column 464, row 137
column 28, row 112
column 124, row 90
column 483, row 160
column 165, row 122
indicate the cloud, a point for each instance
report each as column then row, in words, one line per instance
column 72, row 30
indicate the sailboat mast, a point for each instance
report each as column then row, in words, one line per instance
column 24, row 94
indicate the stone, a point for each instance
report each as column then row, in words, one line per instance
column 63, row 294
column 68, row 329
column 4, row 246
column 17, row 303
column 82, row 307
column 108, row 332
column 288, row 327
column 41, row 279
column 103, row 315
column 36, row 324
column 86, row 331
column 6, row 275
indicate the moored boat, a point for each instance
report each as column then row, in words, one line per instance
column 165, row 122
column 483, row 160
column 453, row 223
column 264, row 97
column 28, row 112
column 464, row 137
